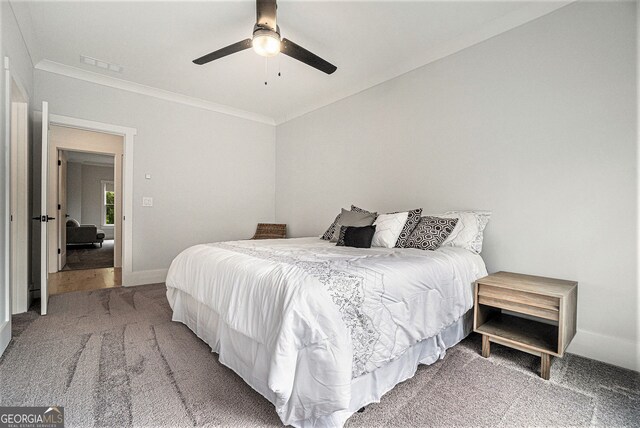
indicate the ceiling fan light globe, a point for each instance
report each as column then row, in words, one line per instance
column 266, row 44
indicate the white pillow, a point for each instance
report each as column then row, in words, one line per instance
column 468, row 232
column 388, row 229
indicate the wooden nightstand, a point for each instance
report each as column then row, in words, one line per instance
column 545, row 309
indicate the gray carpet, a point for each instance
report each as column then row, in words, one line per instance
column 114, row 358
column 89, row 256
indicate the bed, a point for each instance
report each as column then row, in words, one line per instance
column 320, row 330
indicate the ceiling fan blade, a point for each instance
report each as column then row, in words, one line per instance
column 301, row 54
column 231, row 49
column 266, row 14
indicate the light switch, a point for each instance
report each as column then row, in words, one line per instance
column 147, row 176
column 147, row 201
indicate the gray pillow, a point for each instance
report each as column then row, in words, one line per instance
column 352, row 218
column 328, row 234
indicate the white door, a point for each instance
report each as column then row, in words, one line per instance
column 62, row 209
column 5, row 288
column 44, row 216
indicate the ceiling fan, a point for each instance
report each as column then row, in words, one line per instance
column 266, row 41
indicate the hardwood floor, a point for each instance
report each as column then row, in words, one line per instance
column 83, row 280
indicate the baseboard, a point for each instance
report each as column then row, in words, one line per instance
column 609, row 349
column 5, row 335
column 145, row 277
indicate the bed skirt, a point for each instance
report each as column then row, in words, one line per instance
column 250, row 360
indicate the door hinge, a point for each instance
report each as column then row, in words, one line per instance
column 59, row 252
column 59, row 207
column 59, row 162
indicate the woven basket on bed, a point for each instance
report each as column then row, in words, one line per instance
column 270, row 231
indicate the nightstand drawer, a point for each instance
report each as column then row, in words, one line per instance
column 547, row 307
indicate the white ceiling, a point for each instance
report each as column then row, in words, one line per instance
column 369, row 42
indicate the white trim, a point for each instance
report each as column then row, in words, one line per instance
column 5, row 335
column 45, row 209
column 5, row 285
column 127, row 180
column 103, row 205
column 613, row 350
column 112, row 82
column 146, row 277
column 90, row 125
column 23, row 91
column 637, row 350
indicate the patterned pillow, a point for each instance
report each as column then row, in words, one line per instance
column 329, row 233
column 409, row 226
column 431, row 232
column 360, row 210
column 343, row 230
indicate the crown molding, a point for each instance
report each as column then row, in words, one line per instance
column 125, row 85
column 497, row 26
column 491, row 29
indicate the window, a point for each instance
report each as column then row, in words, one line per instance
column 108, row 203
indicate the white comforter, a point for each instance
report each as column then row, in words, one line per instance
column 327, row 314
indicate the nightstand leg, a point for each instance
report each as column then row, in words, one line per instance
column 486, row 346
column 545, row 366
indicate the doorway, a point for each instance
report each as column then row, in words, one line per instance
column 87, row 199
column 85, row 189
column 44, row 228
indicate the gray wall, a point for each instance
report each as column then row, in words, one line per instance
column 536, row 124
column 74, row 190
column 84, row 194
column 212, row 174
column 92, row 177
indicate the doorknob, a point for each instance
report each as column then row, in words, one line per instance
column 43, row 218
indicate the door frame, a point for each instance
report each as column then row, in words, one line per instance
column 128, row 135
column 5, row 285
column 62, row 208
column 19, row 270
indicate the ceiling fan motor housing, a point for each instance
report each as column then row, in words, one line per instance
column 265, row 41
